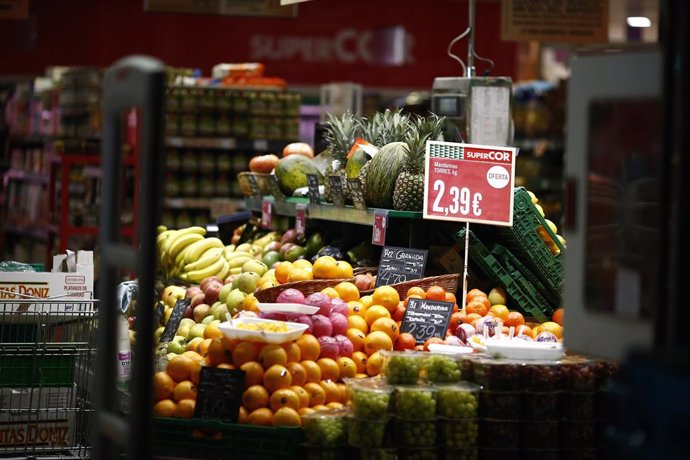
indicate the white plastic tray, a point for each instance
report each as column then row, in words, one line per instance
column 450, row 349
column 519, row 349
column 295, row 308
column 295, row 330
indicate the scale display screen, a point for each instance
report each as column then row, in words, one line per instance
column 449, row 106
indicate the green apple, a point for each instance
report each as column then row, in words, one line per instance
column 497, row 296
column 171, row 294
column 224, row 291
column 208, row 320
column 255, row 266
column 196, row 331
column 235, row 301
column 177, row 345
column 170, row 356
column 185, row 326
column 201, row 311
column 157, row 334
column 219, row 312
column 246, row 282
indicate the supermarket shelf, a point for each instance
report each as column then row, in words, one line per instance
column 217, row 206
column 36, row 231
column 26, row 176
column 326, row 211
column 226, row 143
column 530, row 144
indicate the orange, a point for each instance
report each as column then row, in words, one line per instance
column 272, row 354
column 185, row 408
column 305, row 411
column 284, row 397
column 523, row 330
column 261, row 417
column 367, row 301
column 354, row 307
column 203, row 347
column 376, row 341
column 388, row 326
column 193, row 355
column 334, row 405
column 243, row 353
column 558, row 316
column 430, row 341
column 317, row 395
column 406, row 341
column 469, row 318
column 331, row 292
column 180, row 368
column 244, row 416
column 455, row 319
column 164, row 408
column 347, row 291
column 196, row 372
column 219, row 351
column 184, row 390
column 329, row 369
column 347, row 367
column 476, row 307
column 301, row 394
column 194, row 343
column 375, row 312
column 499, row 311
column 450, row 297
column 224, row 366
column 344, row 270
column 331, row 389
column 473, row 293
column 416, row 290
column 386, row 296
column 321, row 408
column 254, row 373
column 309, row 347
column 286, row 416
column 555, row 328
column 282, row 271
column 163, row 386
column 483, row 299
column 212, row 332
column 251, row 303
column 436, row 293
column 361, row 376
column 374, row 364
column 255, row 397
column 357, row 337
column 277, row 377
column 514, row 318
column 355, row 321
column 325, row 267
column 399, row 312
column 304, row 264
column 293, row 352
column 299, row 274
column 312, row 369
column 344, row 394
column 298, row 373
column 414, row 296
column 360, row 360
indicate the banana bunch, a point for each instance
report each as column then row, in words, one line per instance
column 238, row 256
column 188, row 255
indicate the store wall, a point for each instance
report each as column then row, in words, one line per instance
column 331, row 40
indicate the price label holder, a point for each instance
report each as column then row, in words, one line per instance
column 300, row 218
column 469, row 183
column 398, row 265
column 425, row 319
column 357, row 194
column 313, row 186
column 220, row 394
column 337, row 191
column 275, row 188
column 266, row 213
column 261, row 145
column 254, row 185
column 378, row 231
column 175, row 319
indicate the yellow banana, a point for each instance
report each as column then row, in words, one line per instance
column 244, row 247
column 235, row 271
column 199, row 275
column 208, row 257
column 200, row 247
column 180, row 233
column 230, row 247
column 225, row 271
column 238, row 261
column 161, row 228
column 232, row 255
column 182, row 242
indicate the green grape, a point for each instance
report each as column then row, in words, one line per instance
column 441, row 369
column 402, row 369
column 417, row 403
column 460, row 434
column 325, row 431
column 417, row 454
column 456, row 402
column 370, row 404
column 366, row 433
column 378, row 454
column 416, row 433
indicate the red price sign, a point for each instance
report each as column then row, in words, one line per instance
column 469, row 183
column 378, row 231
column 300, row 218
column 266, row 214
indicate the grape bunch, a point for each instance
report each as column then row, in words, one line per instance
column 415, row 403
column 441, row 369
column 370, row 403
column 459, row 434
column 366, row 433
column 416, row 433
column 457, row 402
column 325, row 430
column 378, row 454
column 417, row 454
column 402, row 368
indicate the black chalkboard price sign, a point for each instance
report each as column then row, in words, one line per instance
column 425, row 319
column 398, row 265
column 219, row 395
column 313, row 186
column 337, row 191
column 357, row 194
column 174, row 320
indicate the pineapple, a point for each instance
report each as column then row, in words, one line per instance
column 408, row 194
column 341, row 133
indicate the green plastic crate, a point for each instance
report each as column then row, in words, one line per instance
column 527, row 298
column 33, row 366
column 197, row 439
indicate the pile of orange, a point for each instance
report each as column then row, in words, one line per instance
column 324, row 267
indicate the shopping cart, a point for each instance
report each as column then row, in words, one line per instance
column 47, row 356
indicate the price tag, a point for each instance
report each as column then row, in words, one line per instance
column 261, row 145
column 313, row 185
column 175, row 319
column 425, row 319
column 300, row 218
column 175, row 142
column 275, row 188
column 357, row 194
column 228, row 143
column 254, row 185
column 469, row 183
column 378, row 233
column 220, row 394
column 398, row 265
column 337, row 191
column 266, row 213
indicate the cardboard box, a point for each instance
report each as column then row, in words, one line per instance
column 17, row 401
column 76, row 282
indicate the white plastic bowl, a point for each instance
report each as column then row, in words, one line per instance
column 518, row 349
column 295, row 308
column 295, row 330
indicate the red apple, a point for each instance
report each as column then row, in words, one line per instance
column 362, row 282
column 273, row 246
column 198, row 298
column 205, row 282
column 212, row 292
column 192, row 291
column 228, row 279
column 188, row 312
